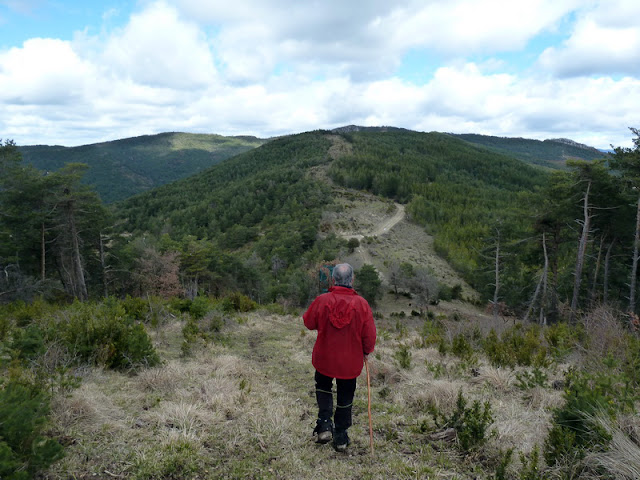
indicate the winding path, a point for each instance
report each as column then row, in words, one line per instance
column 384, row 227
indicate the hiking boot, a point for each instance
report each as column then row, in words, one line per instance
column 341, row 441
column 323, row 432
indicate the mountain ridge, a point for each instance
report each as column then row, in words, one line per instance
column 121, row 168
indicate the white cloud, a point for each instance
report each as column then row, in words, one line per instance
column 157, row 48
column 43, row 71
column 605, row 41
column 276, row 67
column 462, row 27
column 365, row 39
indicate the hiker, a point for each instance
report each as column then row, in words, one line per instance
column 346, row 335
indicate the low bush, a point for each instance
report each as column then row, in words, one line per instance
column 199, row 307
column 24, row 450
column 587, row 396
column 527, row 380
column 26, row 313
column 432, row 333
column 28, row 342
column 238, row 302
column 403, row 357
column 470, row 423
column 517, row 346
column 136, row 308
column 103, row 334
column 461, row 347
column 562, row 338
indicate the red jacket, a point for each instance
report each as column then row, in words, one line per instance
column 346, row 332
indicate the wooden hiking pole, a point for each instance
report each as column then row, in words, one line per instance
column 366, row 364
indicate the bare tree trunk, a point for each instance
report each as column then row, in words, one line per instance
column 534, row 298
column 542, row 285
column 634, row 267
column 582, row 248
column 605, row 280
column 594, row 283
column 103, row 264
column 80, row 286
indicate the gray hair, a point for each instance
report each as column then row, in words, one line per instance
column 343, row 275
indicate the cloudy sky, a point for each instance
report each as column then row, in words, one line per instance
column 74, row 72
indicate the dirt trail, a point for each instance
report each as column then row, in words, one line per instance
column 383, row 227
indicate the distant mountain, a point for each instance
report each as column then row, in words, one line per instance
column 269, row 201
column 552, row 153
column 358, row 128
column 122, row 168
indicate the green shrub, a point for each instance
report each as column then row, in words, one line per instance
column 630, row 366
column 204, row 328
column 403, row 357
column 515, row 347
column 367, row 282
column 23, row 449
column 26, row 313
column 527, row 380
column 460, row 347
column 180, row 305
column 5, row 326
column 443, row 347
column 505, row 460
column 445, row 292
column 574, row 430
column 136, row 308
column 432, row 333
column 103, row 334
column 438, row 369
column 470, row 423
column 497, row 352
column 28, row 342
column 456, row 292
column 199, row 307
column 190, row 333
column 562, row 338
column 238, row 302
column 530, row 468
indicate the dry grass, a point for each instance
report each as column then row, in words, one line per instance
column 500, row 379
column 246, row 409
column 622, row 459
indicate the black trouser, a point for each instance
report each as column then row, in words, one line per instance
column 345, row 391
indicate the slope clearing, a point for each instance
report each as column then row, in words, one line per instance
column 244, row 407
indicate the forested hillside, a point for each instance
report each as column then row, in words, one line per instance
column 260, row 205
column 126, row 167
column 551, row 153
column 253, row 222
column 493, row 216
column 458, row 191
column 154, row 339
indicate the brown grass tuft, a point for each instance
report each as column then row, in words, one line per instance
column 622, row 458
column 501, row 379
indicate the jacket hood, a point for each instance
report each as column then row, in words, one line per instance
column 341, row 310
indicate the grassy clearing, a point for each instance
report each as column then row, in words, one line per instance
column 243, row 406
